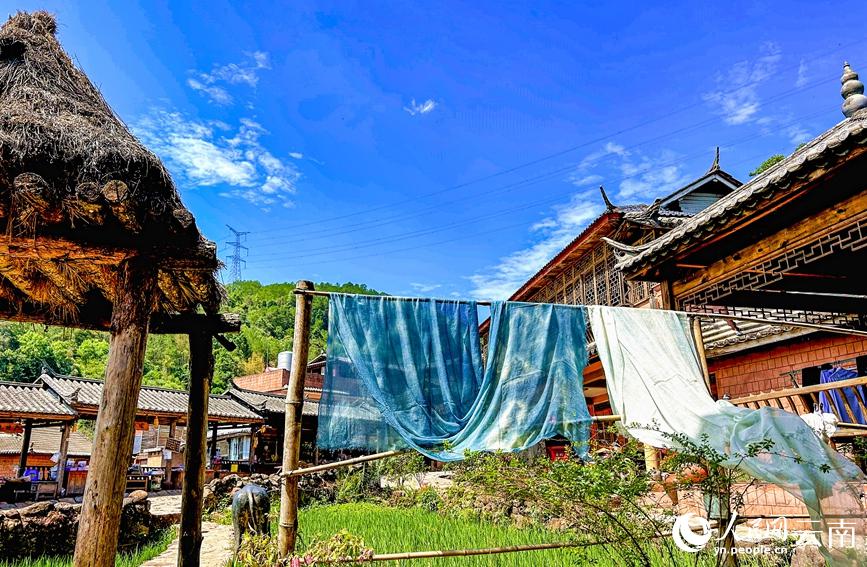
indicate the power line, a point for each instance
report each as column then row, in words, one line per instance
column 235, row 256
column 329, row 249
column 557, row 153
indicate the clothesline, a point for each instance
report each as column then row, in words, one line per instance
column 694, row 314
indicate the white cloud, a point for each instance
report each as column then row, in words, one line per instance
column 296, row 155
column 424, row 287
column 422, row 108
column 503, row 279
column 798, row 134
column 802, row 75
column 204, row 155
column 246, row 72
column 642, row 178
column 737, row 97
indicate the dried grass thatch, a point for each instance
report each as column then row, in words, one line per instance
column 78, row 192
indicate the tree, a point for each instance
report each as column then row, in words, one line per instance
column 768, row 163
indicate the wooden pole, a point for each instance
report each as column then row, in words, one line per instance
column 288, row 528
column 700, row 352
column 170, row 462
column 201, row 375
column 96, row 543
column 214, row 443
column 61, row 463
column 25, row 446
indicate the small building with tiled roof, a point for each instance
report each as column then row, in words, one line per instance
column 84, row 394
column 20, row 401
column 44, row 444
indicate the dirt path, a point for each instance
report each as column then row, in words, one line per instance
column 216, row 548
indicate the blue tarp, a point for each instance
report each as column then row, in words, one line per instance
column 409, row 373
column 852, row 395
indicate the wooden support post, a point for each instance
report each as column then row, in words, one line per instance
column 651, row 458
column 667, row 295
column 170, row 462
column 201, row 374
column 214, row 431
column 61, row 462
column 252, row 450
column 96, row 543
column 25, row 446
column 288, row 528
column 700, row 352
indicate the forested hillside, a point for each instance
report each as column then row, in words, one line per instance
column 267, row 313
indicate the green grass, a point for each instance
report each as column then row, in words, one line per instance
column 132, row 559
column 392, row 530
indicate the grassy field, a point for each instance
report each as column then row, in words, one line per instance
column 391, row 530
column 134, row 559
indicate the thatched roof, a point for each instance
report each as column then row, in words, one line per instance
column 79, row 193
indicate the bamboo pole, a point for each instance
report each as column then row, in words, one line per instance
column 465, row 552
column 667, row 300
column 96, row 542
column 386, row 454
column 288, row 528
column 341, row 464
column 201, row 374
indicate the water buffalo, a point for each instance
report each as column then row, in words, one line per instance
column 250, row 506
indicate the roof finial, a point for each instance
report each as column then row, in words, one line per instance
column 609, row 206
column 852, row 91
column 715, row 165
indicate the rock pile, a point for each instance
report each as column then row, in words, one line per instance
column 49, row 528
column 319, row 487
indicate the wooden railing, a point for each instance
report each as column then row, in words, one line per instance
column 803, row 400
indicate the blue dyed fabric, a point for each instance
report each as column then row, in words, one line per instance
column 408, row 373
column 836, row 397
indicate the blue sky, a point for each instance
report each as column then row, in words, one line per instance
column 450, row 149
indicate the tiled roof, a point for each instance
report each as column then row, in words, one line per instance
column 23, row 400
column 822, row 152
column 46, row 441
column 81, row 393
column 269, row 403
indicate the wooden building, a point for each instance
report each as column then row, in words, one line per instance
column 585, row 273
column 787, row 247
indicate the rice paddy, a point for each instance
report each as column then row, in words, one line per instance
column 393, row 530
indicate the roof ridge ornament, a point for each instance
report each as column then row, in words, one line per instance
column 609, row 206
column 715, row 165
column 852, row 91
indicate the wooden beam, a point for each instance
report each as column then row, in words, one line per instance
column 25, row 446
column 214, row 428
column 851, row 382
column 173, row 430
column 96, row 542
column 802, row 301
column 201, row 375
column 61, row 463
column 799, row 234
column 288, row 528
column 700, row 352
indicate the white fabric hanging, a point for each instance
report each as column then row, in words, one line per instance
column 655, row 382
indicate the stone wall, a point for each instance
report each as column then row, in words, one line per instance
column 319, row 487
column 49, row 528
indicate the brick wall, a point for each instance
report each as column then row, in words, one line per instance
column 9, row 463
column 271, row 381
column 765, row 369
